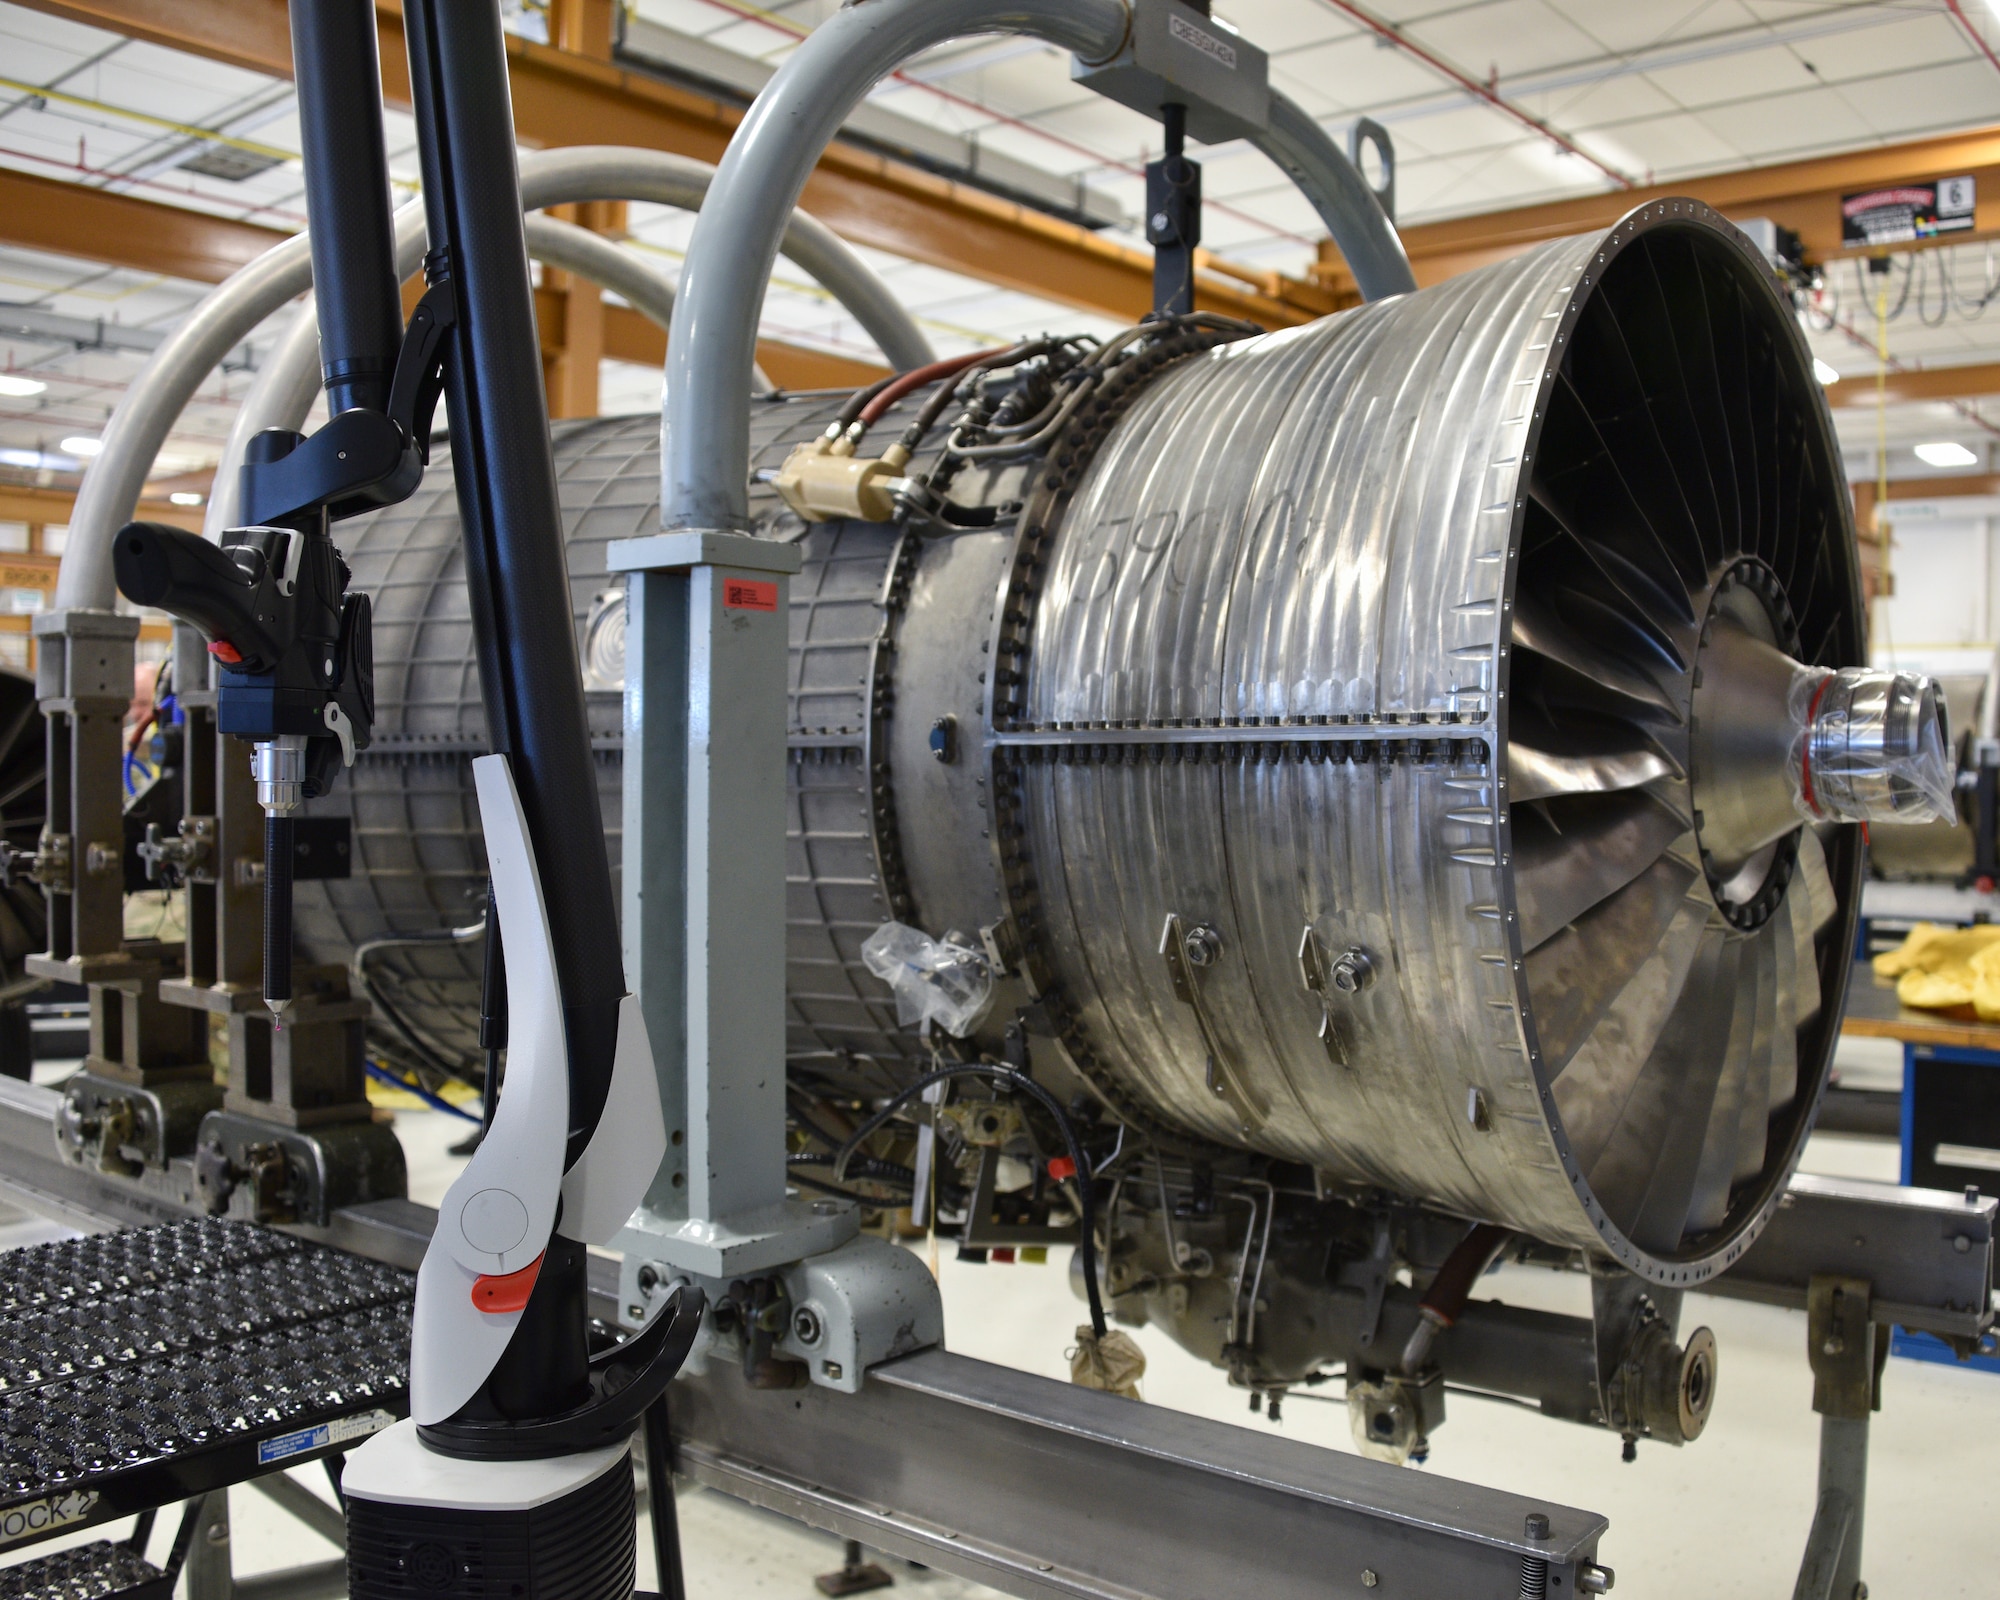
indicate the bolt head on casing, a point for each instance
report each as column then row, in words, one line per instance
column 1353, row 970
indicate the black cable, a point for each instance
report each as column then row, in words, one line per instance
column 1022, row 1084
column 812, row 1128
column 865, row 1167
column 858, row 402
column 872, row 1202
column 432, row 1056
column 659, row 1448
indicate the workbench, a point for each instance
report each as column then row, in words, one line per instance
column 1950, row 1108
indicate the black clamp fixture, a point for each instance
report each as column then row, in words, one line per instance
column 1173, row 217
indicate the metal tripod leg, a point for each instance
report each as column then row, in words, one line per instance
column 1842, row 1344
column 209, row 1573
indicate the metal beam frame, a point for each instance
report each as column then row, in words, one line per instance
column 1918, row 385
column 564, row 97
column 1801, row 195
column 120, row 230
column 631, row 336
column 1054, row 1492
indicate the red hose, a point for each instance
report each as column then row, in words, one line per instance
column 1452, row 1286
column 916, row 379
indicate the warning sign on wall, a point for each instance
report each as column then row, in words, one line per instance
column 1907, row 212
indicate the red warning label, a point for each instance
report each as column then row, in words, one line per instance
column 747, row 594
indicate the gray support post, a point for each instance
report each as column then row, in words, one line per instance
column 705, row 715
column 1846, row 1350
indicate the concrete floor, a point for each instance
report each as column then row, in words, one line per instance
column 1723, row 1519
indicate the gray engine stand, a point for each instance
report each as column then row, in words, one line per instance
column 707, row 629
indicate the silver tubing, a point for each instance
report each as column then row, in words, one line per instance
column 615, row 172
column 590, row 255
column 1320, row 169
column 705, row 457
column 139, row 426
column 163, row 388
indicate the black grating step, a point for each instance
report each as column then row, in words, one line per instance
column 150, row 1365
column 88, row 1572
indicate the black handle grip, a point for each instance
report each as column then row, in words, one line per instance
column 184, row 575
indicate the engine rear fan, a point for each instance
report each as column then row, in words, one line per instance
column 1675, row 504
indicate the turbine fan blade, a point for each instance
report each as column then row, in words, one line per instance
column 1592, row 1089
column 1805, row 951
column 1753, row 1138
column 1791, row 993
column 1571, row 854
column 1575, row 977
column 1645, row 1178
column 1818, row 885
column 1723, row 1143
column 1540, row 774
column 1538, row 629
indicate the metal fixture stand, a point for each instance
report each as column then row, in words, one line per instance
column 1847, row 1352
column 704, row 886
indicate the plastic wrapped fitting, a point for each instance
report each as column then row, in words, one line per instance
column 1869, row 746
column 934, row 980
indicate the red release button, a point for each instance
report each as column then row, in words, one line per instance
column 225, row 652
column 506, row 1291
column 1061, row 1168
column 747, row 594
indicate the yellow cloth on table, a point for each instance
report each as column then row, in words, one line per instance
column 1937, row 968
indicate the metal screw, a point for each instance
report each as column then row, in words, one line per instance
column 1204, row 944
column 805, row 1325
column 218, row 1533
column 649, row 1278
column 1353, row 970
column 1368, row 1578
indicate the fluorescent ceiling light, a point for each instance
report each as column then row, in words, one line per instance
column 13, row 384
column 185, row 498
column 38, row 461
column 1821, row 370
column 1945, row 454
column 82, row 445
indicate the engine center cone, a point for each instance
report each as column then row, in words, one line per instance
column 1775, row 744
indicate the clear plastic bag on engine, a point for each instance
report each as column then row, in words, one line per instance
column 935, row 981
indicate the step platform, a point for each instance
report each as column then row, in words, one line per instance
column 152, row 1365
column 99, row 1571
